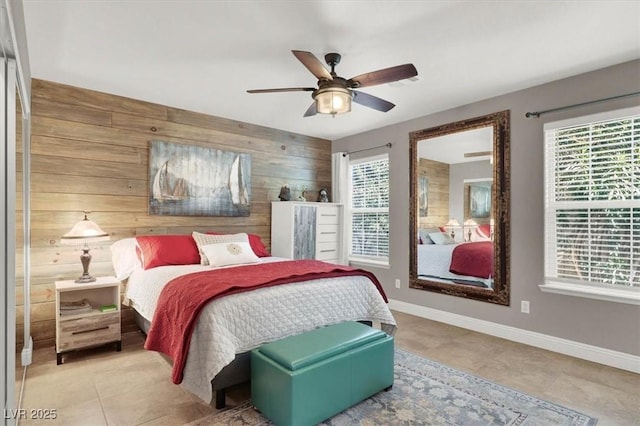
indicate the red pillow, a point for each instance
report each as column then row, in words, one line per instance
column 255, row 242
column 160, row 250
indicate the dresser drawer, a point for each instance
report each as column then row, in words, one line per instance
column 327, row 233
column 328, row 216
column 327, row 251
column 88, row 331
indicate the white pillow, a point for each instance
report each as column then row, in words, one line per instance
column 124, row 257
column 205, row 239
column 441, row 238
column 423, row 234
column 230, row 253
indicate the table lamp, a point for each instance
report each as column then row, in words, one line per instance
column 452, row 225
column 84, row 232
column 470, row 225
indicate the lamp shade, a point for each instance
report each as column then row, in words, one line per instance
column 84, row 231
column 453, row 223
column 333, row 100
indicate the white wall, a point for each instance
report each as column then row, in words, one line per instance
column 603, row 324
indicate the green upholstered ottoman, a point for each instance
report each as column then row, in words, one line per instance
column 305, row 379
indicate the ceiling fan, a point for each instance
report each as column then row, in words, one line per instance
column 334, row 93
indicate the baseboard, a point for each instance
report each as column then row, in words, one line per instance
column 604, row 356
column 27, row 353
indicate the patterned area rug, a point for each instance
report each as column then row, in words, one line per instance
column 428, row 393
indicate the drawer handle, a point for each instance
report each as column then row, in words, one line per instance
column 90, row 331
column 328, row 215
column 328, row 233
column 326, row 251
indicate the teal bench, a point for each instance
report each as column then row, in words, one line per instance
column 305, row 379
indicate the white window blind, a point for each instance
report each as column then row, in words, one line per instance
column 369, row 208
column 592, row 201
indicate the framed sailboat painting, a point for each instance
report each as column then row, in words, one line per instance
column 190, row 180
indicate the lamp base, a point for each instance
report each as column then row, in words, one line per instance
column 85, row 278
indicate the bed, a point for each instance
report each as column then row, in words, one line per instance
column 450, row 263
column 228, row 327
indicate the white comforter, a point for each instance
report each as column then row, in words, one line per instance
column 241, row 322
column 434, row 260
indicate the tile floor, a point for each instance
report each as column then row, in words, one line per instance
column 133, row 387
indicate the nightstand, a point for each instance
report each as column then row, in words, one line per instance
column 84, row 320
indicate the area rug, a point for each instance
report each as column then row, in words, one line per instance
column 429, row 393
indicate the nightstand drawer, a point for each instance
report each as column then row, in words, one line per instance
column 88, row 331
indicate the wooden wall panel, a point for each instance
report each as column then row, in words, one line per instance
column 89, row 151
column 438, row 175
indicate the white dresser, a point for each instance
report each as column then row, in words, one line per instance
column 308, row 231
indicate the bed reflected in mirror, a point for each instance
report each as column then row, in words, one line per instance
column 459, row 215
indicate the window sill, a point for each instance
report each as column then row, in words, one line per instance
column 370, row 263
column 629, row 296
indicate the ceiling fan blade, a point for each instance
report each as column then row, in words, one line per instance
column 311, row 110
column 371, row 101
column 313, row 64
column 387, row 75
column 286, row 89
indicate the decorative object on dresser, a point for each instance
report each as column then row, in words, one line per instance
column 308, row 231
column 190, row 180
column 84, row 232
column 285, row 193
column 303, row 194
column 87, row 314
column 323, row 196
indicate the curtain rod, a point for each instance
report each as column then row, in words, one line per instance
column 344, row 154
column 537, row 114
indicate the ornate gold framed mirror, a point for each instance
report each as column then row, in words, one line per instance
column 459, row 210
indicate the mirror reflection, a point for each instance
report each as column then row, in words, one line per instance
column 458, row 220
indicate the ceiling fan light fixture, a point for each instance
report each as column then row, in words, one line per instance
column 333, row 100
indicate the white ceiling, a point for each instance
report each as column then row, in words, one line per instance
column 203, row 55
column 451, row 149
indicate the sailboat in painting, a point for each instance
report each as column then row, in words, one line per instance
column 237, row 184
column 162, row 188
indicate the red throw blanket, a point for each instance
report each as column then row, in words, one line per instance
column 474, row 259
column 183, row 298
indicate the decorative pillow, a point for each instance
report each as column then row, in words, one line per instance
column 124, row 257
column 206, row 239
column 256, row 244
column 441, row 238
column 229, row 253
column 483, row 233
column 424, row 235
column 160, row 250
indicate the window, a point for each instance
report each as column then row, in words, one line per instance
column 369, row 209
column 592, row 206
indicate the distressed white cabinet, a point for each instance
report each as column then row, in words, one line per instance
column 308, row 231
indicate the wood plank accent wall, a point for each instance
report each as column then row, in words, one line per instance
column 438, row 175
column 89, row 151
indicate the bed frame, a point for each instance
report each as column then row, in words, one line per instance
column 235, row 373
